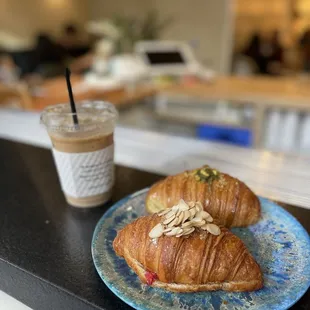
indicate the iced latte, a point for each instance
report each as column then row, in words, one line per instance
column 83, row 153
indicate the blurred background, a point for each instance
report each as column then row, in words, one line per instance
column 235, row 72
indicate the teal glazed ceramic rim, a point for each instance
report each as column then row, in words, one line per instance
column 282, row 242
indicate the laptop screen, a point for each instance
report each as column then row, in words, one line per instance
column 165, row 57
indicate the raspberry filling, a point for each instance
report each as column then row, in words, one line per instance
column 150, row 277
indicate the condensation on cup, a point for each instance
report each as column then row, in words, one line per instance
column 83, row 153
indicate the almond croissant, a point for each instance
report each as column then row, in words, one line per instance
column 199, row 262
column 227, row 199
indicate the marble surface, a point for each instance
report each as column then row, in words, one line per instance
column 9, row 303
column 280, row 177
column 275, row 176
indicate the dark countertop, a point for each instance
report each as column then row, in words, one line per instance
column 45, row 257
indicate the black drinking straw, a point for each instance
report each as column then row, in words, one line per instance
column 72, row 104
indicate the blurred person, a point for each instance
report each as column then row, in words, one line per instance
column 304, row 44
column 50, row 57
column 253, row 48
column 267, row 52
column 70, row 36
column 254, row 51
column 96, row 60
column 73, row 41
column 18, row 49
column 275, row 59
column 104, row 36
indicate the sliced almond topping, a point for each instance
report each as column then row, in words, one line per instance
column 169, row 214
column 207, row 216
column 179, row 230
column 199, row 224
column 175, row 208
column 209, row 219
column 191, row 204
column 199, row 206
column 213, row 229
column 180, row 219
column 167, row 229
column 168, row 220
column 189, row 231
column 178, row 213
column 192, row 212
column 174, row 231
column 157, row 231
column 204, row 227
column 183, row 206
column 196, row 220
column 204, row 214
column 163, row 212
column 187, row 215
column 187, row 225
column 174, row 222
column 198, row 216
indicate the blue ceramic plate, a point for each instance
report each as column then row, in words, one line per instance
column 278, row 242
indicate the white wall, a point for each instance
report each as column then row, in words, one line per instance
column 27, row 17
column 205, row 22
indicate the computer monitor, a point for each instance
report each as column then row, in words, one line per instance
column 167, row 57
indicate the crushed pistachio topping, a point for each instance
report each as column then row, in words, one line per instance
column 206, row 174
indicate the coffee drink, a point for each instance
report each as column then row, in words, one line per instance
column 83, row 153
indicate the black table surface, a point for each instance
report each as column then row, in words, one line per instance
column 45, row 257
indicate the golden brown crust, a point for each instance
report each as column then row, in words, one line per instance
column 227, row 199
column 197, row 263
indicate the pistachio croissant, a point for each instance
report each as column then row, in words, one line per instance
column 199, row 261
column 227, row 199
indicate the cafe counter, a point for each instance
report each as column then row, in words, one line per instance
column 45, row 257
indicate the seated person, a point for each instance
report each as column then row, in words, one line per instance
column 104, row 37
column 304, row 45
column 50, row 57
column 96, row 60
column 73, row 41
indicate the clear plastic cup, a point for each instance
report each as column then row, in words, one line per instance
column 83, row 153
